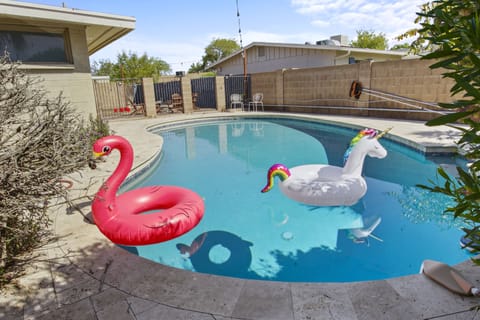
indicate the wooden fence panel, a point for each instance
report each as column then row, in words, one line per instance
column 117, row 98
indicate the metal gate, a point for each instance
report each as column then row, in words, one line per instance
column 165, row 90
column 203, row 92
column 118, row 98
column 239, row 84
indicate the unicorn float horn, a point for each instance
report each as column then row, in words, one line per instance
column 276, row 170
column 383, row 133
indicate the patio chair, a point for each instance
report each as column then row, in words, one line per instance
column 257, row 100
column 257, row 129
column 177, row 103
column 237, row 129
column 236, row 99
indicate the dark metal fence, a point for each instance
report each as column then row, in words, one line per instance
column 117, row 98
column 203, row 92
column 165, row 90
column 238, row 84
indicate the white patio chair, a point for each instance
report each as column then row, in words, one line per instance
column 236, row 99
column 257, row 100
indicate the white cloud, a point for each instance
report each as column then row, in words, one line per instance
column 321, row 23
column 389, row 17
column 179, row 55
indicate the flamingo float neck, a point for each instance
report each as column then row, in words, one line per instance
column 113, row 183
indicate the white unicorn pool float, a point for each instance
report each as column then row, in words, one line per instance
column 326, row 185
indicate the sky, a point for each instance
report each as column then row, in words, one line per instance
column 178, row 31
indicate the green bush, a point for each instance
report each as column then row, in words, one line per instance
column 452, row 29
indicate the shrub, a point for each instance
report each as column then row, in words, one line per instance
column 452, row 29
column 41, row 141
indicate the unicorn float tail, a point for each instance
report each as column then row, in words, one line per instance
column 276, row 170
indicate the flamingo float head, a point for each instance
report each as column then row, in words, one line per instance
column 104, row 146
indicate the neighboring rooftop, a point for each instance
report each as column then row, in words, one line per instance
column 272, row 56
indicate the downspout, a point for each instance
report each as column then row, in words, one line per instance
column 245, row 79
column 342, row 56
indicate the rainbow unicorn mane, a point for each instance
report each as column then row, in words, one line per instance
column 276, row 170
column 371, row 133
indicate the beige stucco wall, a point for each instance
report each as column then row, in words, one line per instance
column 73, row 81
column 76, row 87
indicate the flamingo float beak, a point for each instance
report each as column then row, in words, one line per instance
column 98, row 154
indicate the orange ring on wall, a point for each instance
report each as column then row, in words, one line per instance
column 355, row 89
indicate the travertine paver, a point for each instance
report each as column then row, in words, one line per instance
column 378, row 300
column 329, row 301
column 83, row 276
column 264, row 300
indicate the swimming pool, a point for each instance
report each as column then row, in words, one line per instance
column 247, row 234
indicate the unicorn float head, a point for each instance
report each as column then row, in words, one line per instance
column 325, row 185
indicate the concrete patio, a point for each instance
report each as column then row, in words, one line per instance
column 82, row 275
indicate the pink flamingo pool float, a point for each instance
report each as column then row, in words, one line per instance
column 119, row 218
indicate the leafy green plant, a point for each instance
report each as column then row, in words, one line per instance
column 452, row 29
column 369, row 39
column 97, row 129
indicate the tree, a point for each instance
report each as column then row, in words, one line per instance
column 452, row 29
column 420, row 44
column 370, row 40
column 401, row 46
column 216, row 50
column 196, row 67
column 41, row 141
column 131, row 66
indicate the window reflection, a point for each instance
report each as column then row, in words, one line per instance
column 34, row 47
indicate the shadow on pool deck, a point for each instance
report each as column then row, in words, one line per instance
column 81, row 275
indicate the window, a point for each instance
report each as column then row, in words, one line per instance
column 34, row 46
column 261, row 51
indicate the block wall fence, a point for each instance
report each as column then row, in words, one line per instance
column 326, row 89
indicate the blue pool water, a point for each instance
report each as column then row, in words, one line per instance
column 247, row 234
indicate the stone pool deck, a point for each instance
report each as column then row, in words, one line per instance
column 81, row 275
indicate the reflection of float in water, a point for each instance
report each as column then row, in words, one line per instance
column 361, row 235
column 219, row 252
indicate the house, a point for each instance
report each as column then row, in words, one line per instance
column 266, row 56
column 54, row 43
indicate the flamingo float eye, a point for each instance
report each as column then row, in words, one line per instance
column 106, row 149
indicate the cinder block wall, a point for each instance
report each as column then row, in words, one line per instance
column 326, row 89
column 410, row 78
column 319, row 86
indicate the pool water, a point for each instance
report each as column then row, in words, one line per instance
column 254, row 235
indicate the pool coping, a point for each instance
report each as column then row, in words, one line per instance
column 427, row 147
column 90, row 276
